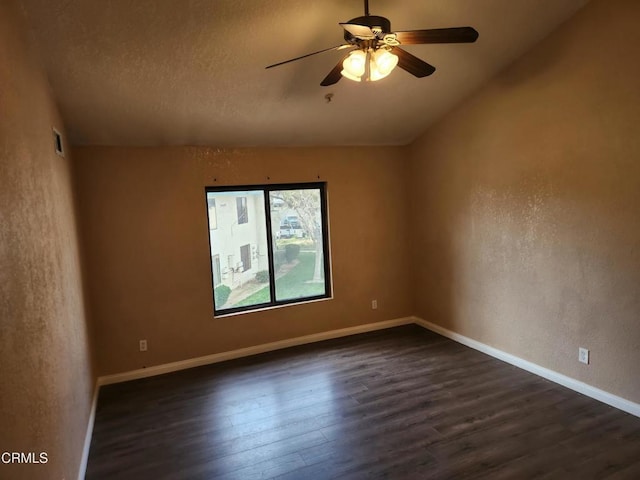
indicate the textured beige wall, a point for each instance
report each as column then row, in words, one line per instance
column 526, row 202
column 46, row 383
column 143, row 216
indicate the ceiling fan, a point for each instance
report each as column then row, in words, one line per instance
column 375, row 49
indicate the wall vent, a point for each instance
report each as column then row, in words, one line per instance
column 57, row 139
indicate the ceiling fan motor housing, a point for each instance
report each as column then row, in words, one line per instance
column 371, row 21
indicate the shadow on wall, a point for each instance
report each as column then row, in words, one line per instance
column 531, row 68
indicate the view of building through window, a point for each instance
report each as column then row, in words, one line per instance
column 261, row 258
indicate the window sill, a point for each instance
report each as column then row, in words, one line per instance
column 271, row 307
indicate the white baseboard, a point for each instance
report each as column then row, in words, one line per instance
column 576, row 385
column 87, row 438
column 245, row 352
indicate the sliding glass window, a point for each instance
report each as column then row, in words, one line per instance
column 268, row 245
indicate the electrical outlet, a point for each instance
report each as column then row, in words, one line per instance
column 143, row 345
column 374, row 304
column 583, row 355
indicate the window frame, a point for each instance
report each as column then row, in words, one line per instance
column 270, row 233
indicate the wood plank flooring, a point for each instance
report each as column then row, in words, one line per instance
column 401, row 403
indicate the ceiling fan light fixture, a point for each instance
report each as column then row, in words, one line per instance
column 382, row 64
column 373, row 41
column 354, row 65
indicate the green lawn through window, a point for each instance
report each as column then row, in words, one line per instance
column 291, row 285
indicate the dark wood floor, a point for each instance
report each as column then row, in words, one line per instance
column 400, row 403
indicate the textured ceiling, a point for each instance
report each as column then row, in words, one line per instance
column 191, row 72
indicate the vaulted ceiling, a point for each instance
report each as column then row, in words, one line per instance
column 191, row 72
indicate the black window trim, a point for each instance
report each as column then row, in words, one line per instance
column 266, row 189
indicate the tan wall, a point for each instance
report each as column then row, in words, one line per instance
column 527, row 205
column 144, row 218
column 46, row 383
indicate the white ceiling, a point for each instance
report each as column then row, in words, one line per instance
column 191, row 72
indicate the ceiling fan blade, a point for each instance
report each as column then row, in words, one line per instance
column 359, row 31
column 438, row 35
column 334, row 75
column 339, row 47
column 413, row 64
